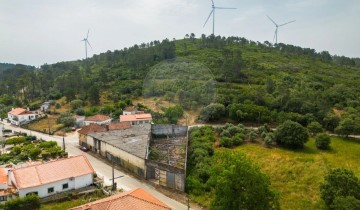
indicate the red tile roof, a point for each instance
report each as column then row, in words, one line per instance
column 135, row 117
column 3, row 175
column 119, row 126
column 92, row 128
column 137, row 199
column 20, row 111
column 97, row 118
column 52, row 171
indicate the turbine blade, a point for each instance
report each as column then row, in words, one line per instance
column 87, row 34
column 212, row 1
column 88, row 43
column 225, row 8
column 287, row 23
column 271, row 20
column 212, row 11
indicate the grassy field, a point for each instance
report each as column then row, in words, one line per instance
column 43, row 124
column 297, row 175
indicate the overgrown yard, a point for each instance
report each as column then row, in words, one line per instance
column 44, row 124
column 297, row 175
column 73, row 201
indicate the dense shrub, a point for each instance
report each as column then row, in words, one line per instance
column 31, row 202
column 346, row 203
column 16, row 140
column 291, row 134
column 322, row 141
column 47, row 144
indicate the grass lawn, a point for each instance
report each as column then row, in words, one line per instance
column 43, row 124
column 297, row 175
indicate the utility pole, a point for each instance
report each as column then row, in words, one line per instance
column 64, row 140
column 114, row 186
column 48, row 124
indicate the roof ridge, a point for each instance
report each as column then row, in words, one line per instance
column 147, row 200
column 62, row 159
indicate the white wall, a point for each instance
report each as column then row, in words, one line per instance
column 99, row 123
column 42, row 190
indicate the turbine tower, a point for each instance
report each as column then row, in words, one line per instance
column 86, row 42
column 277, row 27
column 212, row 12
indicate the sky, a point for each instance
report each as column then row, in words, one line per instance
column 48, row 31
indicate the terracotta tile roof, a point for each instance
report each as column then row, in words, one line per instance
column 97, row 118
column 52, row 171
column 119, row 126
column 3, row 175
column 137, row 199
column 92, row 128
column 135, row 117
column 17, row 111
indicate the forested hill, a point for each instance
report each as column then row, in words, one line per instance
column 256, row 82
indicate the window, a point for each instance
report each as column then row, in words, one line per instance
column 65, row 186
column 3, row 198
column 50, row 189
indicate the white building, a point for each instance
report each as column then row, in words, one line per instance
column 98, row 119
column 20, row 116
column 52, row 177
column 136, row 119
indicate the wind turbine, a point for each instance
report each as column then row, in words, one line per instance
column 86, row 42
column 212, row 12
column 277, row 27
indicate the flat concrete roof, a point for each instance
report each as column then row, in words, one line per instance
column 133, row 140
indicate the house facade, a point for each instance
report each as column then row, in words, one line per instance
column 97, row 119
column 6, row 189
column 45, row 106
column 137, row 119
column 20, row 116
column 52, row 177
column 92, row 128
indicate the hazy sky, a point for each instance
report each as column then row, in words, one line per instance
column 35, row 32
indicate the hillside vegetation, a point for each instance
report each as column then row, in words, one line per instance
column 254, row 82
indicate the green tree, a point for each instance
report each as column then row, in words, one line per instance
column 212, row 112
column 291, row 134
column 314, row 128
column 233, row 176
column 75, row 104
column 66, row 119
column 346, row 127
column 339, row 182
column 94, row 94
column 173, row 113
column 322, row 141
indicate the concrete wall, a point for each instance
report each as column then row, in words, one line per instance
column 131, row 162
column 42, row 190
column 1, row 129
column 169, row 130
column 169, row 176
